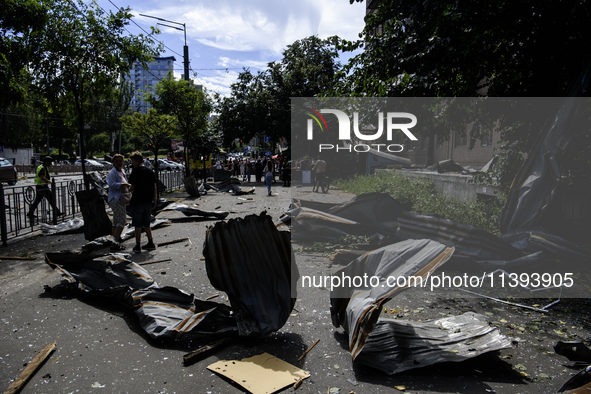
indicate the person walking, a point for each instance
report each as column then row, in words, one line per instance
column 269, row 176
column 119, row 197
column 242, row 170
column 258, row 170
column 248, row 170
column 286, row 174
column 143, row 199
column 42, row 182
column 320, row 170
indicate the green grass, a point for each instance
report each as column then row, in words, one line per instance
column 420, row 196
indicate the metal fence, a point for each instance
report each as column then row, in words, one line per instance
column 16, row 202
column 172, row 180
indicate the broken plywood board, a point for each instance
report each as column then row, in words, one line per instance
column 260, row 374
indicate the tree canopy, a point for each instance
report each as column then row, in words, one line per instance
column 497, row 48
column 154, row 128
column 189, row 105
column 260, row 103
column 448, row 48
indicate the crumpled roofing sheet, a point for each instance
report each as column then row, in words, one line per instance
column 168, row 312
column 535, row 185
column 191, row 211
column 357, row 309
column 164, row 313
column 250, row 260
column 469, row 241
column 399, row 345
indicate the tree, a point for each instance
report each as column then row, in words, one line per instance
column 22, row 22
column 189, row 105
column 260, row 103
column 84, row 53
column 247, row 112
column 110, row 109
column 450, row 49
column 453, row 49
column 156, row 129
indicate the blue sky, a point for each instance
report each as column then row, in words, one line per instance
column 225, row 36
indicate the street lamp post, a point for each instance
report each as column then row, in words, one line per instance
column 185, row 48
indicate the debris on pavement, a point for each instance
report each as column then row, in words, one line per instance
column 469, row 241
column 16, row 258
column 308, row 349
column 155, row 262
column 260, row 374
column 69, row 226
column 579, row 383
column 30, row 370
column 192, row 211
column 574, row 351
column 250, row 260
column 164, row 313
column 395, row 345
column 174, row 241
column 357, row 308
column 92, row 206
column 198, row 354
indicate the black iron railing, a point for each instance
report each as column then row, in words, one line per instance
column 16, row 203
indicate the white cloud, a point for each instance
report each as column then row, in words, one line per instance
column 225, row 36
column 263, row 25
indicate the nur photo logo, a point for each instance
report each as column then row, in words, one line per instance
column 387, row 123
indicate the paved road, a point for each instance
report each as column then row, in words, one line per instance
column 101, row 348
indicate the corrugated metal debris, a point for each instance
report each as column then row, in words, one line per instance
column 396, row 345
column 248, row 258
column 163, row 313
column 357, row 308
column 253, row 262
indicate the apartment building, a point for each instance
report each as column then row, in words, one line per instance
column 144, row 79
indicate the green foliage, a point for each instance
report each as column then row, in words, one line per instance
column 154, row 128
column 346, row 242
column 83, row 54
column 260, row 103
column 21, row 24
column 419, row 195
column 498, row 48
column 451, row 49
column 190, row 108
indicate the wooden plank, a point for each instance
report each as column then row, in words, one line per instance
column 30, row 370
column 195, row 355
column 172, row 242
column 155, row 261
column 307, row 350
column 16, row 258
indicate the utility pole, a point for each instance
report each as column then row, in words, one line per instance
column 185, row 48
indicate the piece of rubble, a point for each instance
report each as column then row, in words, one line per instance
column 251, row 261
column 260, row 374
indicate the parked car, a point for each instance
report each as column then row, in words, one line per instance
column 8, row 172
column 93, row 164
column 166, row 165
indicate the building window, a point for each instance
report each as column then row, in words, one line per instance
column 461, row 138
column 487, row 138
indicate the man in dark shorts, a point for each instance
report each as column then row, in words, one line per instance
column 143, row 186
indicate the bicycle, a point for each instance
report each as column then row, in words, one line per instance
column 324, row 183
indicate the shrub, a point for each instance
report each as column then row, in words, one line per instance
column 420, row 196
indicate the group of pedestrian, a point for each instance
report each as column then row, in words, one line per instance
column 139, row 192
column 264, row 170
